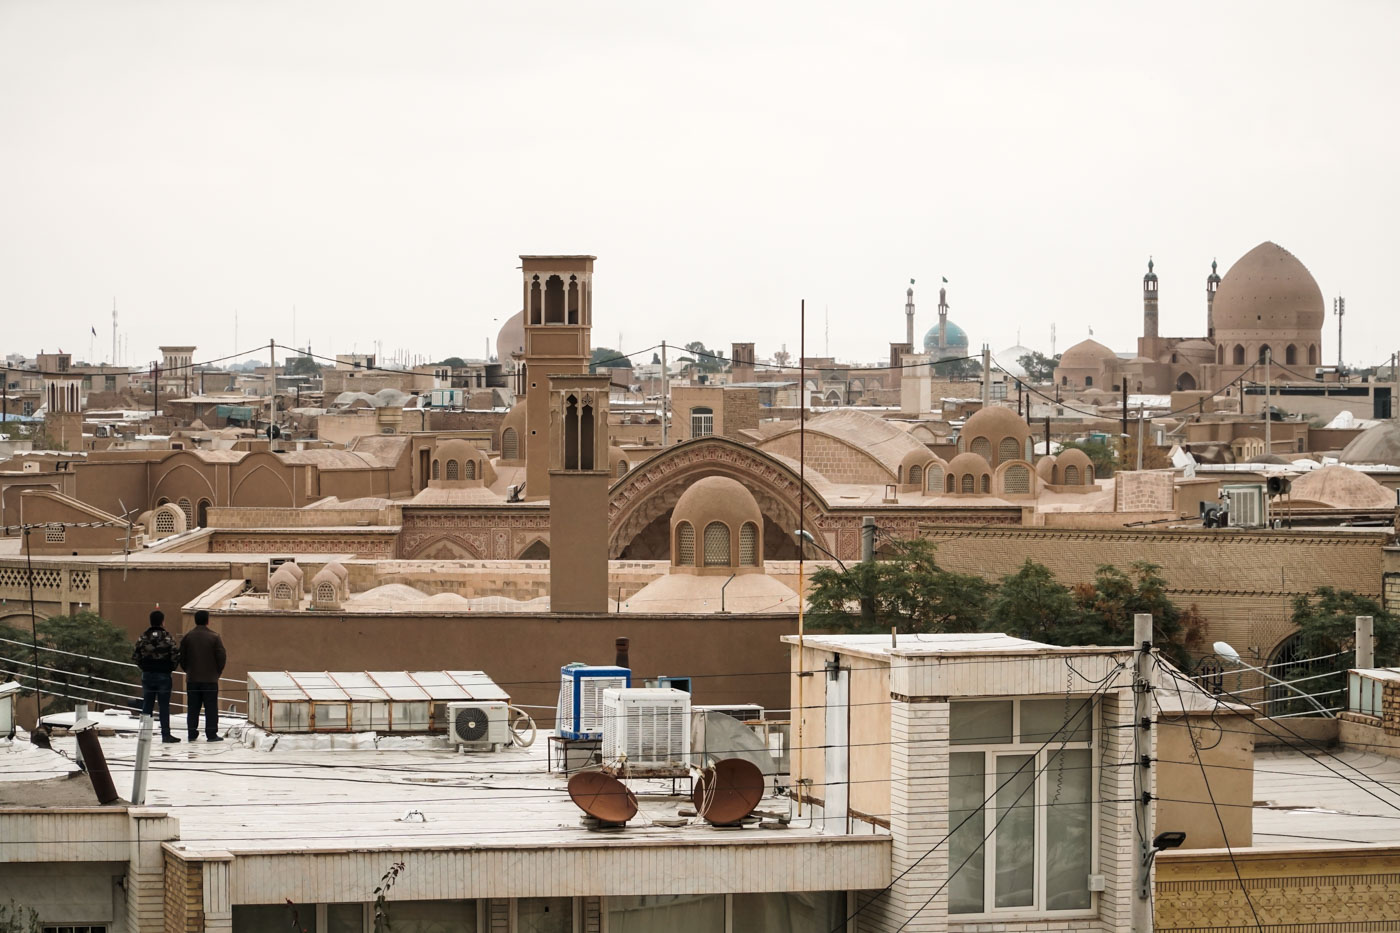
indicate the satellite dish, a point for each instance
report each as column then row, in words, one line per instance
column 728, row 792
column 602, row 797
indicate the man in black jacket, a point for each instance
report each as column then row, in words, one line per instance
column 202, row 656
column 157, row 654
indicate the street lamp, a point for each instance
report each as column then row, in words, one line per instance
column 802, row 534
column 1224, row 650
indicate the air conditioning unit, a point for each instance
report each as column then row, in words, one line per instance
column 1247, row 505
column 274, row 562
column 581, row 686
column 482, row 724
column 744, row 712
column 650, row 726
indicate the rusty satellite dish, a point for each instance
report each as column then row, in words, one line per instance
column 727, row 792
column 603, row 797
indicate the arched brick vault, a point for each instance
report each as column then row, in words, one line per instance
column 646, row 495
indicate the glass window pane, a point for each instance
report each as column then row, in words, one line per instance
column 979, row 722
column 432, row 916
column 673, row 913
column 345, row 918
column 330, row 716
column 966, row 793
column 789, row 913
column 1015, row 833
column 544, row 915
column 273, row 918
column 1042, row 719
column 1068, row 830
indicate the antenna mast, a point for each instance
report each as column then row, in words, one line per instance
column 1339, row 308
column 114, row 330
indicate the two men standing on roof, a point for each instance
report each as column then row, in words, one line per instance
column 201, row 654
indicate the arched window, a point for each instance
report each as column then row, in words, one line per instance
column 716, row 544
column 282, row 591
column 899, row 474
column 951, row 481
column 1239, row 354
column 1312, row 354
column 570, row 433
column 1008, row 449
column 916, row 475
column 437, row 469
column 685, row 544
column 1089, row 475
column 510, row 445
column 621, row 467
column 962, row 444
column 1064, row 380
column 452, row 470
column 1264, row 352
column 165, row 522
column 982, row 448
column 188, row 509
column 585, row 438
column 748, row 545
column 203, row 513
column 468, row 469
column 986, row 483
column 1071, row 475
column 1088, row 381
column 1220, row 354
column 702, row 422
column 1016, row 481
column 933, row 478
column 969, row 485
column 554, row 300
column 1290, row 354
column 325, row 593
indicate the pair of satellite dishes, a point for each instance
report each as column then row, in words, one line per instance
column 723, row 794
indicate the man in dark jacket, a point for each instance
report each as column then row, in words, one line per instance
column 157, row 654
column 202, row 656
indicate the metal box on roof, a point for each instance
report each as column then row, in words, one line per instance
column 581, row 686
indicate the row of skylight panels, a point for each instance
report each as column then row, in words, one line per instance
column 401, row 686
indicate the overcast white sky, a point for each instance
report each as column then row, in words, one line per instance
column 381, row 165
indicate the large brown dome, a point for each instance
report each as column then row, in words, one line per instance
column 1268, row 289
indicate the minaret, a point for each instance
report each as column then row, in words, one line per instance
column 558, row 323
column 942, row 319
column 1212, row 283
column 1149, row 302
column 909, row 314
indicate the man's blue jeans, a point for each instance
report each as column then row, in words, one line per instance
column 156, row 686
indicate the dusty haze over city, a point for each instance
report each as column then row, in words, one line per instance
column 381, row 166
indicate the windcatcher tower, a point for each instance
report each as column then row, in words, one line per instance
column 558, row 304
column 63, row 413
column 1149, row 303
column 578, row 503
column 1212, row 284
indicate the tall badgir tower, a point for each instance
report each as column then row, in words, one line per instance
column 566, row 417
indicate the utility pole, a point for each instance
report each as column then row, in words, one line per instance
column 1123, row 443
column 665, row 394
column 1268, row 415
column 986, row 375
column 1142, row 768
column 155, row 386
column 1141, row 425
column 114, row 330
column 272, row 370
column 1339, row 308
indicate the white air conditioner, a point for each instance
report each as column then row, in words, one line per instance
column 744, row 712
column 479, row 724
column 649, row 726
column 1247, row 504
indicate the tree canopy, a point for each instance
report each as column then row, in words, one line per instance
column 454, row 361
column 910, row 590
column 303, row 366
column 606, row 356
column 705, row 361
column 958, row 370
column 84, row 670
column 1038, row 366
column 1099, row 453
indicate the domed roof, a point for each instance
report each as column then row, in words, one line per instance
column 957, row 337
column 995, row 422
column 1073, row 457
column 717, row 499
column 511, row 338
column 1377, row 444
column 1010, row 359
column 969, row 463
column 1343, row 488
column 1268, row 289
column 457, row 449
column 1087, row 354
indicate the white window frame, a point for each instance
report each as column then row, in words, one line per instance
column 704, row 416
column 992, row 751
column 849, row 925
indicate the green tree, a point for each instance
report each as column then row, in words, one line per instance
column 606, row 356
column 1326, row 620
column 958, row 370
column 909, row 590
column 1038, row 366
column 16, row 918
column 1107, row 607
column 1100, row 453
column 455, row 362
column 1031, row 603
column 81, row 666
column 706, row 361
column 303, row 366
